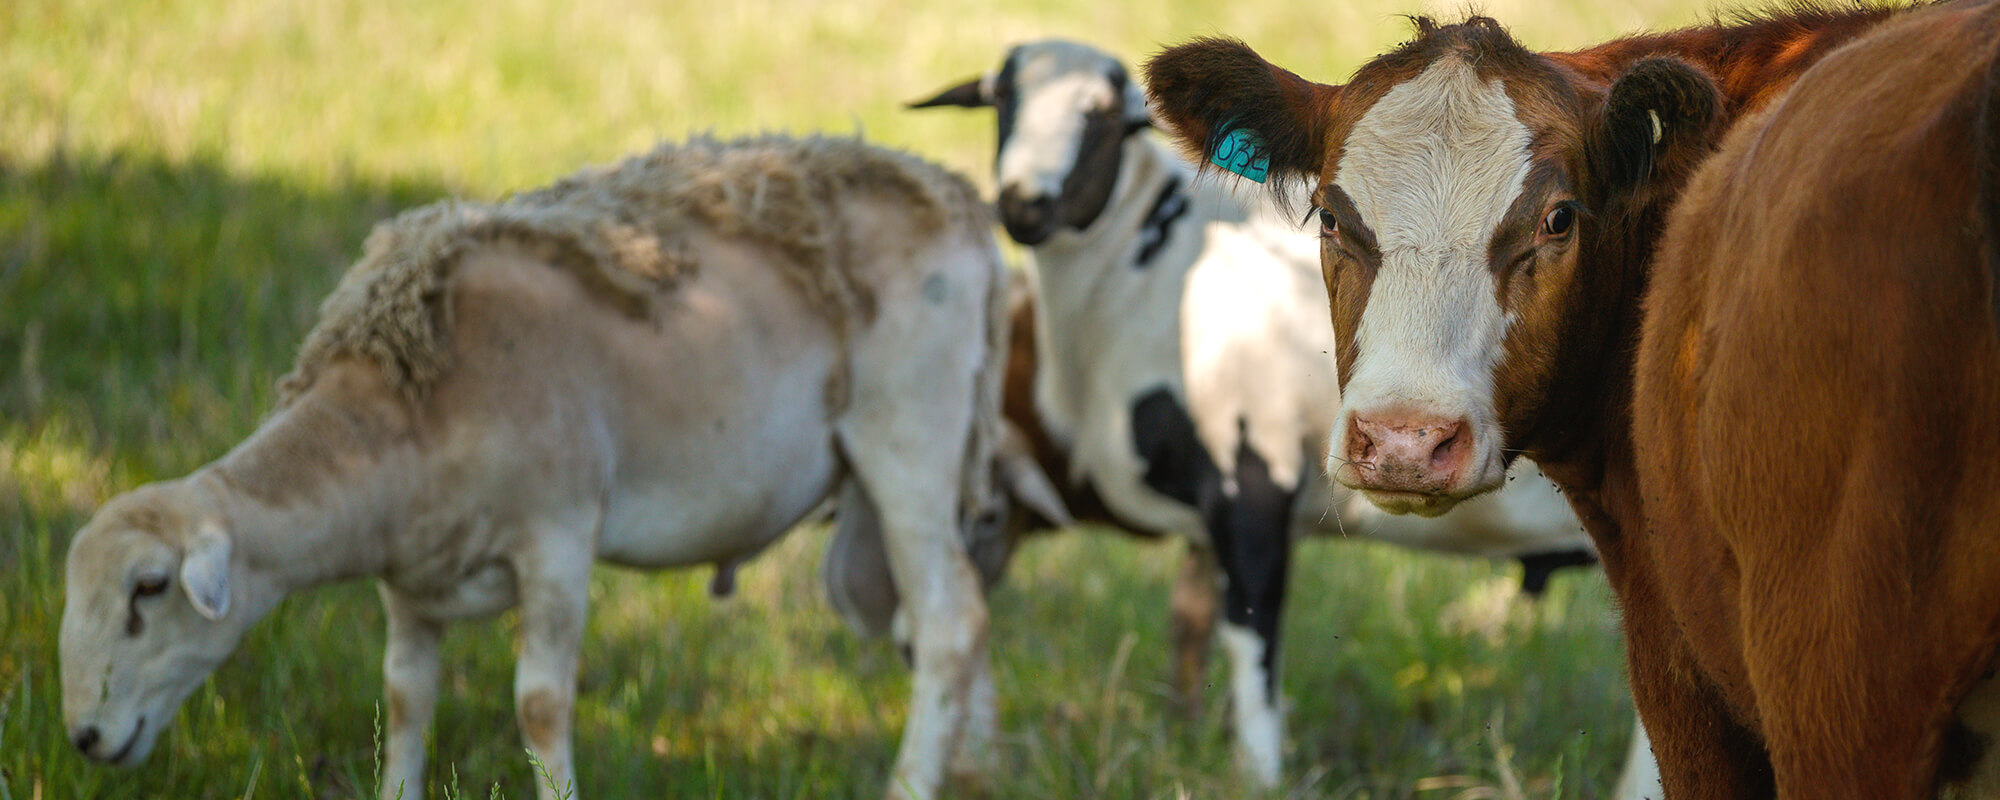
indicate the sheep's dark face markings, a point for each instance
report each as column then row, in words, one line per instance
column 998, row 89
column 1064, row 111
column 152, row 585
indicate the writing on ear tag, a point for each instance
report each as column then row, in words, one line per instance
column 1242, row 151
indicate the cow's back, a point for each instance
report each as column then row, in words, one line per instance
column 1818, row 399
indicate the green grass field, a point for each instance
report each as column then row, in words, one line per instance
column 181, row 180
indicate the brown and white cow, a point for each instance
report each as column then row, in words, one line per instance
column 1177, row 364
column 1804, row 615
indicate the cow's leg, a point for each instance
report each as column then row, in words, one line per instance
column 1860, row 723
column 1701, row 751
column 1193, row 609
column 410, row 682
column 552, row 575
column 1250, row 529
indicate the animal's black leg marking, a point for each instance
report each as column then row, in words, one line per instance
column 1253, row 543
column 1536, row 568
column 1176, row 464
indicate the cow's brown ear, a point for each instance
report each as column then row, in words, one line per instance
column 1229, row 108
column 1660, row 119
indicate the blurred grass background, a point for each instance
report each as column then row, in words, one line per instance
column 181, row 181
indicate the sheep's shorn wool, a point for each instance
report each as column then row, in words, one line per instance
column 620, row 231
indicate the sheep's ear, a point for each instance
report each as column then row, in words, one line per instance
column 205, row 571
column 970, row 94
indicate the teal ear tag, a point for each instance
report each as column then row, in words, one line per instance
column 1242, row 151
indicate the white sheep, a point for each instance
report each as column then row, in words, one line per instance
column 666, row 362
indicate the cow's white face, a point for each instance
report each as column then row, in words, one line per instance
column 145, row 619
column 1064, row 112
column 1485, row 212
column 1424, row 183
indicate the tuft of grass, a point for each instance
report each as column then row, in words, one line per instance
column 548, row 781
column 181, row 181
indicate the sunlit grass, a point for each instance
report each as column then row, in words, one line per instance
column 182, row 180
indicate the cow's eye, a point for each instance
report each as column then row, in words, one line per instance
column 150, row 586
column 1559, row 221
column 1329, row 225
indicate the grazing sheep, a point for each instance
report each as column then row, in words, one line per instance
column 666, row 362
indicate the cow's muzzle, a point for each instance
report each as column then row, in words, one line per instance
column 1406, row 462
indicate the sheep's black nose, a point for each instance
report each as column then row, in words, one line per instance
column 1029, row 220
column 86, row 739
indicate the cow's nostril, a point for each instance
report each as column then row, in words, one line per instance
column 86, row 739
column 1446, row 450
column 1360, row 446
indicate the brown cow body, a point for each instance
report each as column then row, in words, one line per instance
column 1819, row 289
column 1804, row 544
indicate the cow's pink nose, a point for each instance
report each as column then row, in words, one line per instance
column 1405, row 452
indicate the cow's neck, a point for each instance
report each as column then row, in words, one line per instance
column 1583, row 438
column 1592, row 458
column 1582, row 433
column 311, row 494
column 1751, row 61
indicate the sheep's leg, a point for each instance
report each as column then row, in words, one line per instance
column 1252, row 539
column 947, row 618
column 1193, row 608
column 863, row 587
column 975, row 760
column 410, row 681
column 554, row 590
column 894, row 450
column 914, row 424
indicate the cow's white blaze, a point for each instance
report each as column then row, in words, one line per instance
column 1432, row 168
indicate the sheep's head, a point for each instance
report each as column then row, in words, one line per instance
column 146, row 617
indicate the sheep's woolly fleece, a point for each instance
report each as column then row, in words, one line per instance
column 621, row 230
